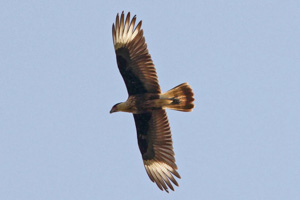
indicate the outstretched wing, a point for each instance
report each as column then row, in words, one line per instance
column 155, row 143
column 134, row 61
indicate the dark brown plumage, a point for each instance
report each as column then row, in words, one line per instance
column 147, row 103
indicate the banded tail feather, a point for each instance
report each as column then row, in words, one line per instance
column 182, row 97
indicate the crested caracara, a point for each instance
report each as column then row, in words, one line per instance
column 147, row 103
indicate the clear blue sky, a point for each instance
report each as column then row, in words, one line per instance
column 59, row 80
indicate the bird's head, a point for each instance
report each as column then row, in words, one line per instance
column 114, row 108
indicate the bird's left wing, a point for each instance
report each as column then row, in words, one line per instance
column 155, row 143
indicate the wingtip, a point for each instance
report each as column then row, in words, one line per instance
column 125, row 31
column 161, row 174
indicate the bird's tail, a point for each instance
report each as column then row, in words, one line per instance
column 181, row 98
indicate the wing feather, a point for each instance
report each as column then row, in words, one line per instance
column 134, row 61
column 155, row 143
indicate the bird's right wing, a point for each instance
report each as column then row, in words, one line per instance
column 155, row 143
column 134, row 61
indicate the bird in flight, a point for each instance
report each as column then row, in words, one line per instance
column 146, row 101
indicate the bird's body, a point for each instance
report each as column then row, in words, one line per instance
column 142, row 103
column 147, row 103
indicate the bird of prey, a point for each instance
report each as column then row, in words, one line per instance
column 146, row 101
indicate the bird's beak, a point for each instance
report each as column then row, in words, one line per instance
column 112, row 110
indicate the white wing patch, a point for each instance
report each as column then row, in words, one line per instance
column 161, row 173
column 123, row 33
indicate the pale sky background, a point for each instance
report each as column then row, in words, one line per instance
column 59, row 80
